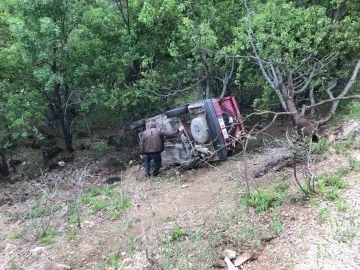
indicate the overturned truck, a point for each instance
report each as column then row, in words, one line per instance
column 212, row 128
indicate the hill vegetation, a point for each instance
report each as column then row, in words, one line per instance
column 66, row 65
column 74, row 74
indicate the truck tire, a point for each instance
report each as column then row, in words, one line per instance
column 176, row 112
column 137, row 124
column 215, row 130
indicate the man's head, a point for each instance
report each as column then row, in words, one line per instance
column 152, row 123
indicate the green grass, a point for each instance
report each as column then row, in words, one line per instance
column 85, row 199
column 107, row 199
column 73, row 232
column 98, row 204
column 341, row 206
column 347, row 228
column 321, row 147
column 36, row 212
column 176, row 233
column 93, row 192
column 56, row 208
column 16, row 234
column 14, row 265
column 112, row 261
column 131, row 244
column 109, row 191
column 278, row 228
column 334, row 181
column 357, row 145
column 324, row 214
column 344, row 147
column 47, row 237
column 263, row 200
column 89, row 194
column 100, row 148
column 330, row 186
column 354, row 110
column 122, row 202
column 8, row 214
column 303, row 232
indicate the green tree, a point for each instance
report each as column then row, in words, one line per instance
column 302, row 53
column 188, row 38
column 20, row 104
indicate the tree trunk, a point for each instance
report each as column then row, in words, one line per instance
column 66, row 117
column 306, row 126
column 61, row 106
column 4, row 167
column 63, row 113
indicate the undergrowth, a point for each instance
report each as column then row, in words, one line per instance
column 107, row 199
column 329, row 186
column 264, row 199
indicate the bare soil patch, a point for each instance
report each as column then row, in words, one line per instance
column 183, row 219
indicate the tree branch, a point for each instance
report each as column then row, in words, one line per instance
column 307, row 82
column 227, row 77
column 343, row 94
column 273, row 83
column 332, row 100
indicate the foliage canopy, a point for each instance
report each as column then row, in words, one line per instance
column 63, row 60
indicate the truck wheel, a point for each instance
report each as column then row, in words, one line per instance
column 176, row 111
column 137, row 124
column 215, row 130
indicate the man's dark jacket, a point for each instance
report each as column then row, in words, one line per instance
column 153, row 140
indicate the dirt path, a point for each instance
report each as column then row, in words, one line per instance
column 184, row 221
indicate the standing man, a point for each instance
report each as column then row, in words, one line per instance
column 152, row 145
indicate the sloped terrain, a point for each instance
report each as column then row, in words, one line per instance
column 71, row 219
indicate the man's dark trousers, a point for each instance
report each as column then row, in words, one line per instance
column 157, row 160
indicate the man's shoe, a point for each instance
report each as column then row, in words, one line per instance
column 147, row 175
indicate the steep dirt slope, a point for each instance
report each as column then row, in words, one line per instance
column 184, row 220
